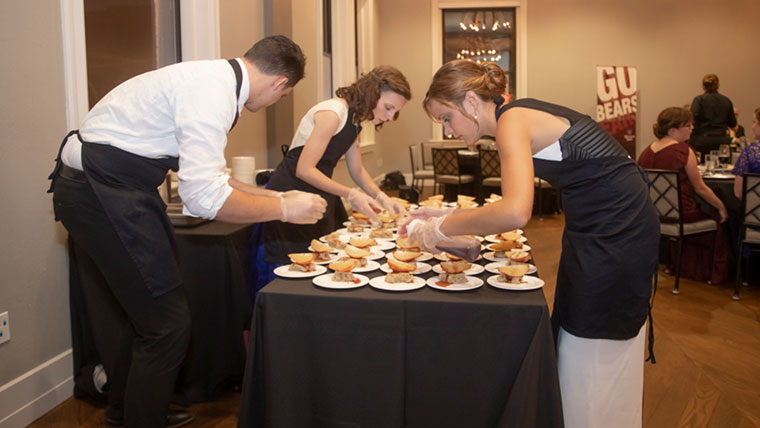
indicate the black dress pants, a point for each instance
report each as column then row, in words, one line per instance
column 142, row 339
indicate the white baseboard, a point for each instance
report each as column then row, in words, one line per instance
column 31, row 395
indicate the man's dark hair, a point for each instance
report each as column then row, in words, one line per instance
column 278, row 56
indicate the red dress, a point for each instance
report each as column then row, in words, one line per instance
column 705, row 256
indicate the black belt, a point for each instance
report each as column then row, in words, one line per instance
column 72, row 173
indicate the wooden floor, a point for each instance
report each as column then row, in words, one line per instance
column 707, row 348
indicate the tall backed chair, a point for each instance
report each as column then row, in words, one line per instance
column 749, row 232
column 446, row 169
column 419, row 174
column 490, row 168
column 666, row 197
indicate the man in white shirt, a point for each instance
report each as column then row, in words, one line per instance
column 104, row 186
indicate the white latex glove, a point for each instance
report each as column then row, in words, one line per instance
column 428, row 234
column 389, row 204
column 422, row 213
column 301, row 207
column 363, row 203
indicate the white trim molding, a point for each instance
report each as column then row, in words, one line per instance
column 31, row 395
column 74, row 61
column 199, row 28
column 521, row 18
column 366, row 41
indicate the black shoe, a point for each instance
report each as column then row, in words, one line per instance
column 174, row 419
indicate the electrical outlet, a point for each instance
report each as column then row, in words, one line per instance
column 5, row 328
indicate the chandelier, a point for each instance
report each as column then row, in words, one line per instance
column 479, row 55
column 481, row 21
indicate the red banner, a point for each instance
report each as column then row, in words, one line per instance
column 616, row 103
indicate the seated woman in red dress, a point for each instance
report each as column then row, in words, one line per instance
column 705, row 256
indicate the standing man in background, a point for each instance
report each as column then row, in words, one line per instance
column 713, row 117
column 105, row 193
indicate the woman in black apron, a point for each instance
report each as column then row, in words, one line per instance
column 328, row 131
column 610, row 242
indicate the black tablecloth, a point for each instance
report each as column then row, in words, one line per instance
column 424, row 358
column 212, row 262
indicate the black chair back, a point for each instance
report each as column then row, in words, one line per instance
column 665, row 194
column 445, row 161
column 751, row 199
column 490, row 163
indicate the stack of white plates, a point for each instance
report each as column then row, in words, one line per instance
column 244, row 168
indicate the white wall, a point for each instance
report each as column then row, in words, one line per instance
column 673, row 43
column 33, row 261
column 242, row 24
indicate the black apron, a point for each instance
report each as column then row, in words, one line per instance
column 611, row 237
column 284, row 238
column 126, row 186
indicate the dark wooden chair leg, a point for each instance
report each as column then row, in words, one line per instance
column 678, row 265
column 737, row 286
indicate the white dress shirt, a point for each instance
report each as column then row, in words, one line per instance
column 182, row 110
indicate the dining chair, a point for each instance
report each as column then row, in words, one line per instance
column 490, row 168
column 749, row 230
column 665, row 193
column 426, row 152
column 446, row 169
column 419, row 174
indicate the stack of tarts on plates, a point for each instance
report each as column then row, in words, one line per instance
column 400, row 275
column 360, row 255
column 404, row 256
column 515, row 277
column 342, row 276
column 322, row 252
column 302, row 267
column 466, row 202
column 452, row 277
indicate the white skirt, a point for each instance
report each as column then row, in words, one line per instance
column 601, row 380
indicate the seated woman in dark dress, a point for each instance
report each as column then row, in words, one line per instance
column 705, row 256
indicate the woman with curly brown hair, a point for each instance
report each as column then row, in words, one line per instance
column 329, row 130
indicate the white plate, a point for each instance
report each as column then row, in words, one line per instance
column 494, row 238
column 529, row 283
column 423, row 258
column 332, row 250
column 473, row 270
column 379, row 283
column 365, row 233
column 490, row 257
column 375, row 255
column 283, row 272
column 348, row 223
column 333, row 257
column 421, row 268
column 494, row 266
column 344, row 231
column 471, row 284
column 325, row 281
column 344, row 237
column 392, row 238
column 383, row 245
column 444, row 258
column 525, row 248
column 371, row 265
